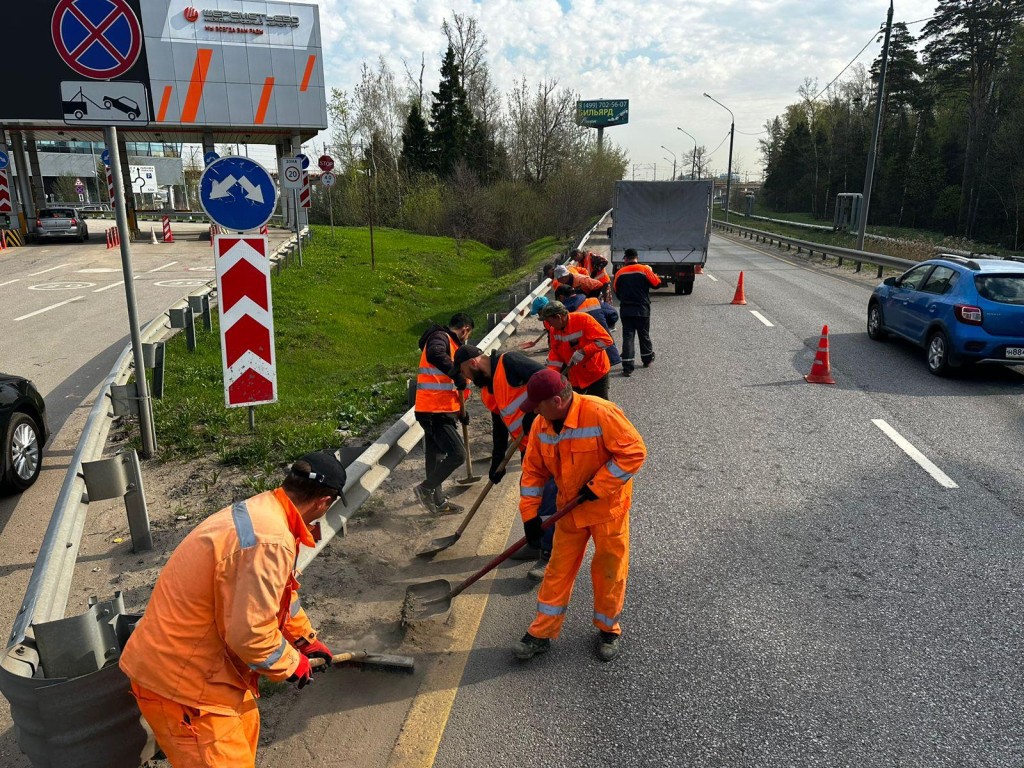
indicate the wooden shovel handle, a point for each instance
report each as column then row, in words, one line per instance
column 487, row 488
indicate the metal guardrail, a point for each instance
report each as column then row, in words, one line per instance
column 859, row 258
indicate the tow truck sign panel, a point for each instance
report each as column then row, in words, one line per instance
column 104, row 103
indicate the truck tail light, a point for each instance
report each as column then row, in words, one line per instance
column 965, row 313
column 39, row 223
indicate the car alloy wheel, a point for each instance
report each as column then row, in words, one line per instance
column 875, row 323
column 938, row 354
column 24, row 451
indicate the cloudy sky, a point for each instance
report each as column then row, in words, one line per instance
column 751, row 55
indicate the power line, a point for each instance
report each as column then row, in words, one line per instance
column 719, row 146
column 852, row 61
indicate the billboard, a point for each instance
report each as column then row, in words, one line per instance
column 192, row 64
column 602, row 113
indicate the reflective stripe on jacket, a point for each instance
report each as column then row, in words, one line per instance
column 606, row 315
column 435, row 390
column 585, row 333
column 503, row 399
column 597, row 446
column 225, row 608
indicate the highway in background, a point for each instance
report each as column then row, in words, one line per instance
column 802, row 592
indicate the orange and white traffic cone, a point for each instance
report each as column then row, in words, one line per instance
column 821, row 371
column 740, row 297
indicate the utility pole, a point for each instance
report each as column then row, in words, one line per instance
column 728, row 173
column 869, row 174
column 673, row 161
column 693, row 171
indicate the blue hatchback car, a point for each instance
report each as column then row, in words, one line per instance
column 959, row 310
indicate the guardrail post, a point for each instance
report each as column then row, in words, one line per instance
column 879, row 271
column 857, row 268
column 153, row 354
column 839, row 259
column 207, row 314
column 122, row 476
column 190, row 330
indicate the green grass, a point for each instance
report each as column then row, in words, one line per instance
column 345, row 340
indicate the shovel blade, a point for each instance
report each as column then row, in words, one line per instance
column 469, row 479
column 438, row 545
column 428, row 600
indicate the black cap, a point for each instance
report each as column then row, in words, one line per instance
column 326, row 470
column 462, row 354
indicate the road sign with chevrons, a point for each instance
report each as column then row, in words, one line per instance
column 5, row 193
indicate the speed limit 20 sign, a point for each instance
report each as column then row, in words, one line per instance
column 291, row 173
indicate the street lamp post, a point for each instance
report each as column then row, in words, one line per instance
column 673, row 160
column 732, row 133
column 693, row 170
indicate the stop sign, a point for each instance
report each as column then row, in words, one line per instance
column 326, row 163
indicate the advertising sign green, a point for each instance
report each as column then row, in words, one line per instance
column 602, row 113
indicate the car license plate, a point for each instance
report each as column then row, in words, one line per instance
column 1015, row 352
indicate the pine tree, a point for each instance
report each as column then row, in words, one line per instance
column 416, row 143
column 451, row 122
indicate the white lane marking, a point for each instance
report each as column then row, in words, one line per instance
column 8, row 283
column 937, row 474
column 47, row 309
column 108, row 287
column 762, row 318
column 165, row 266
column 59, row 266
column 710, row 277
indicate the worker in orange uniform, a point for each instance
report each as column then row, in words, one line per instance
column 439, row 403
column 502, row 378
column 226, row 610
column 578, row 340
column 592, row 451
column 632, row 285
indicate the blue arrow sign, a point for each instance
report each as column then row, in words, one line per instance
column 305, row 161
column 237, row 193
column 105, row 156
column 210, row 157
column 4, row 160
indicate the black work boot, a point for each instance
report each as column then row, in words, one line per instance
column 443, row 506
column 530, row 646
column 649, row 360
column 537, row 572
column 425, row 497
column 608, row 648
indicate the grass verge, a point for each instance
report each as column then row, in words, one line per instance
column 345, row 338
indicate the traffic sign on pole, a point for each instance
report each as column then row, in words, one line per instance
column 237, row 193
column 6, row 206
column 246, row 320
column 99, row 39
column 290, row 173
column 328, row 179
column 210, row 157
column 5, row 160
column 326, row 163
column 304, row 160
column 105, row 156
column 305, row 196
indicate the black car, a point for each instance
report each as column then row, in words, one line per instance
column 24, row 431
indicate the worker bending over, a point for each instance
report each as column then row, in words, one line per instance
column 502, row 378
column 578, row 340
column 225, row 610
column 439, row 402
column 592, row 451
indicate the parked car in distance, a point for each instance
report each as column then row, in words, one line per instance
column 959, row 310
column 55, row 223
column 24, row 431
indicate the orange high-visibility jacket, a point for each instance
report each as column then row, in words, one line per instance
column 631, row 269
column 597, row 446
column 225, row 608
column 586, row 283
column 503, row 399
column 435, row 391
column 581, row 332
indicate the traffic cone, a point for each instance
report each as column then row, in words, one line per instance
column 821, row 371
column 740, row 297
column 152, row 236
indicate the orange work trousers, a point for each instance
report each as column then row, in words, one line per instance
column 607, row 573
column 192, row 738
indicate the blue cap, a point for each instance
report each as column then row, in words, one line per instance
column 538, row 304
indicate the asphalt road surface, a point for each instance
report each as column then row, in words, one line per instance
column 802, row 592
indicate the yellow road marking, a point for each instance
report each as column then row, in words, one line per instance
column 425, row 724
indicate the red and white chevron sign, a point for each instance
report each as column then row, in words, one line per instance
column 304, row 194
column 5, row 193
column 246, row 320
column 110, row 184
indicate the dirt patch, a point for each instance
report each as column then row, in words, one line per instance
column 353, row 591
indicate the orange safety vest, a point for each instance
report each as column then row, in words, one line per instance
column 225, row 608
column 585, row 333
column 435, row 390
column 504, row 400
column 630, row 269
column 598, row 446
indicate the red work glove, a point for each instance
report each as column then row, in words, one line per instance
column 315, row 650
column 303, row 674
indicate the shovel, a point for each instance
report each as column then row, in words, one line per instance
column 396, row 665
column 434, row 598
column 438, row 545
column 470, row 478
column 535, row 342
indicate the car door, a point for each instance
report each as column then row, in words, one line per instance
column 928, row 303
column 895, row 310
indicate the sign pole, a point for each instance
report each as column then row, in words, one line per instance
column 252, row 418
column 298, row 223
column 141, row 385
column 330, row 204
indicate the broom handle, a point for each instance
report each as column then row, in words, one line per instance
column 338, row 658
column 487, row 488
column 465, row 436
column 514, row 548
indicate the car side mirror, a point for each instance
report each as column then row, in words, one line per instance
column 892, row 281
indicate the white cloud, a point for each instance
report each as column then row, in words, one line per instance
column 751, row 55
